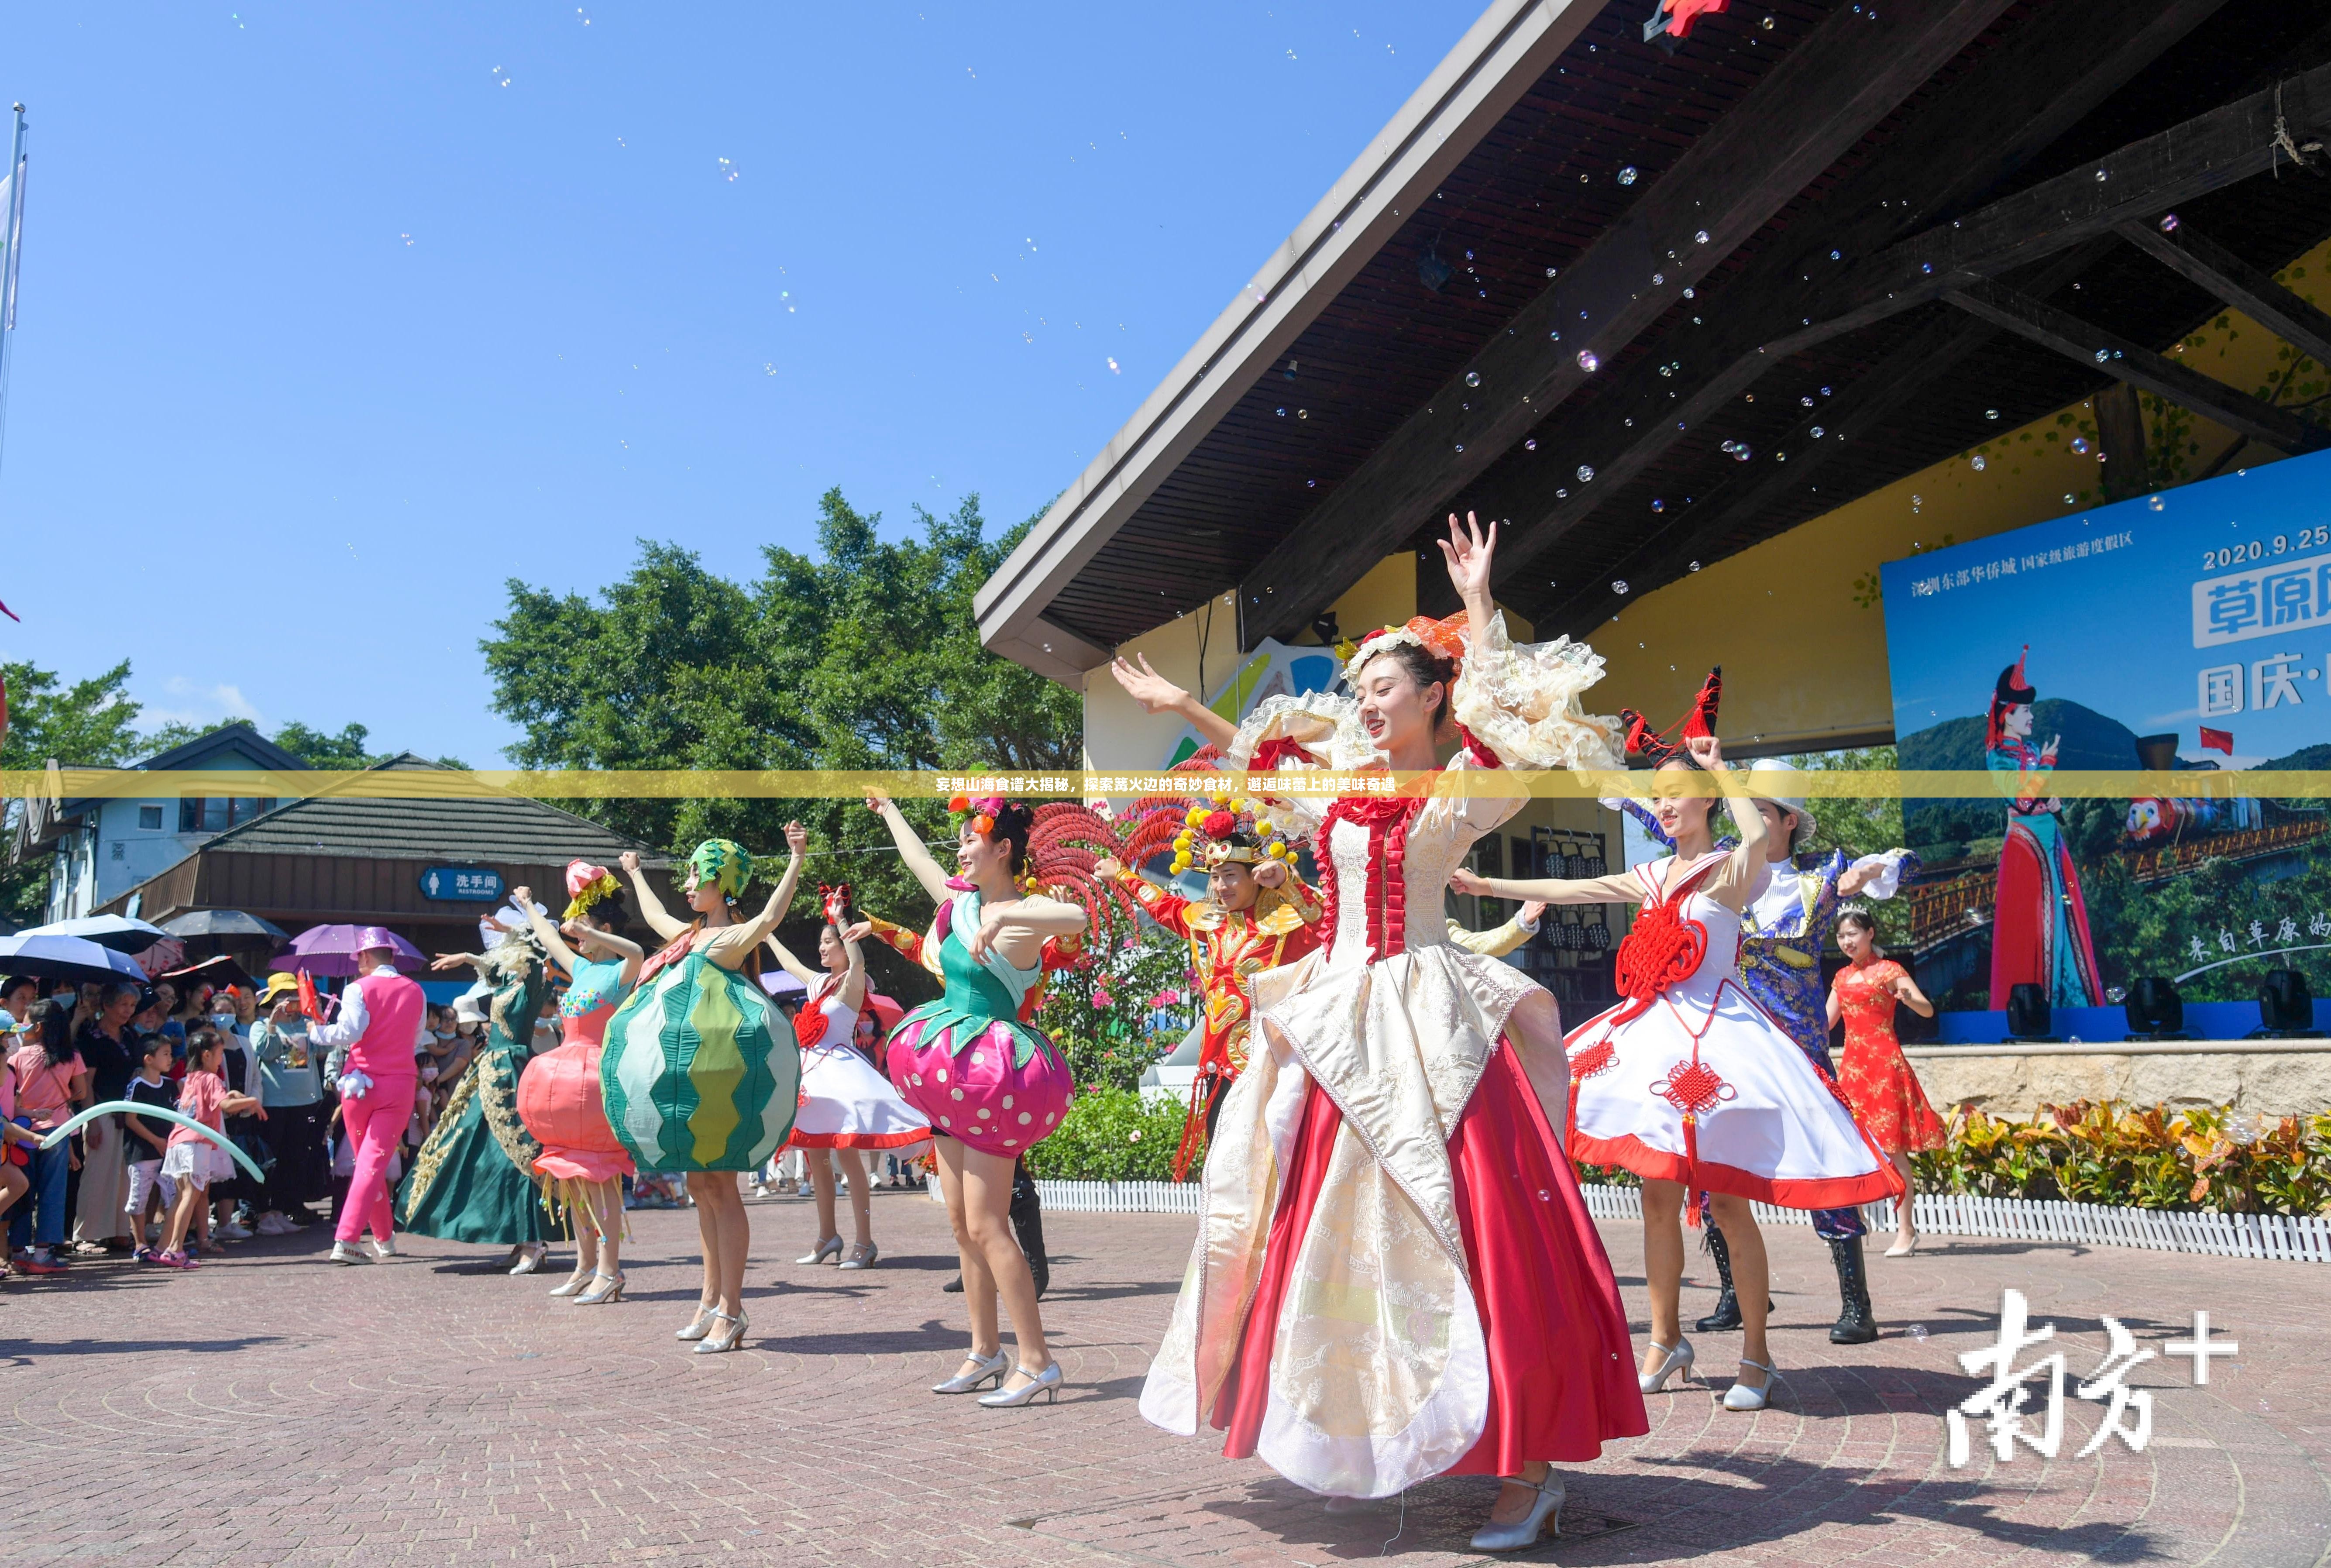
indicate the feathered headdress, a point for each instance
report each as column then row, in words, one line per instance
column 1202, row 834
column 1653, row 744
column 1066, row 841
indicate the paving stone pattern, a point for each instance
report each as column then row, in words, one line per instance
column 275, row 1408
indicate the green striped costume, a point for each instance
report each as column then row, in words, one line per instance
column 700, row 1072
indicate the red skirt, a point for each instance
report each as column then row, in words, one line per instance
column 1562, row 1373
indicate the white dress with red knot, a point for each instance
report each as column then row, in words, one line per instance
column 1688, row 1079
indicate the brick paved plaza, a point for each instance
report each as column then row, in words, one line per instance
column 250, row 1413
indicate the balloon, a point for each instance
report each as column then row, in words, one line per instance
column 136, row 1107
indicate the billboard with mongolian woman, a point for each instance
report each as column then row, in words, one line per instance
column 2185, row 631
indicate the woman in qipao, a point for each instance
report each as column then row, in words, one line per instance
column 847, row 1105
column 1688, row 1082
column 700, row 1073
column 991, row 1086
column 581, row 1163
column 1395, row 1276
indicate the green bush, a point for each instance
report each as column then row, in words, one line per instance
column 1109, row 1135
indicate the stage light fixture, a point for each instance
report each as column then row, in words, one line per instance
column 2286, row 1007
column 2156, row 1011
column 2028, row 1014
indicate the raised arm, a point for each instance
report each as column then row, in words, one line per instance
column 854, row 983
column 793, row 965
column 1468, row 551
column 1736, row 886
column 1155, row 694
column 548, row 933
column 652, row 909
column 752, row 932
column 913, row 853
column 1619, row 890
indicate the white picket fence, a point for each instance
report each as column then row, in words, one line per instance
column 2278, row 1237
column 2275, row 1237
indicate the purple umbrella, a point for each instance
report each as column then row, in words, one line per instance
column 331, row 950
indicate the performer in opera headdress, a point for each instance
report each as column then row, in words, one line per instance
column 1395, row 1276
column 2040, row 929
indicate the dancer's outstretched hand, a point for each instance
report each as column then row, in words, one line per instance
column 1705, row 750
column 1468, row 550
column 1469, row 882
column 1153, row 691
column 796, row 840
column 1271, row 874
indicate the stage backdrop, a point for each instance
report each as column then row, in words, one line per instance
column 2189, row 630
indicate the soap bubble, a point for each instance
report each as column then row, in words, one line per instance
column 1978, row 464
column 1587, row 362
column 1586, row 474
column 1550, row 272
column 1302, row 413
column 1530, row 446
column 2079, row 444
column 2102, row 176
column 1472, row 378
column 2103, row 354
column 2115, row 994
column 1562, row 494
column 1991, row 413
column 2169, row 223
column 2068, row 498
column 1738, row 450
column 1819, row 433
column 1620, row 586
column 1658, row 277
column 1693, row 568
column 1460, row 446
column 1658, row 505
column 2152, row 501
column 1834, row 256
column 1766, row 24
column 1627, row 176
column 1805, row 402
column 1113, row 369
column 1918, row 1332
column 1701, row 236
column 1281, row 412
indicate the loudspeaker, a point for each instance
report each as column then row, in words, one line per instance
column 2285, row 1006
column 2028, row 1014
column 2155, row 1009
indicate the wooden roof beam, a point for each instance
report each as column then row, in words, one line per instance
column 2228, row 279
column 1859, row 409
column 1855, row 69
column 2138, row 366
column 2206, row 153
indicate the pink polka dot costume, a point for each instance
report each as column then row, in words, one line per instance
column 966, row 1061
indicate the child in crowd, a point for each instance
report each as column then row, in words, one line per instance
column 192, row 1160
column 145, row 1141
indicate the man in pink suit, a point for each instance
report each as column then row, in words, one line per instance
column 379, row 1019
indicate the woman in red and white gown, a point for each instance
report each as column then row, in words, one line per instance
column 1688, row 1082
column 847, row 1105
column 1395, row 1276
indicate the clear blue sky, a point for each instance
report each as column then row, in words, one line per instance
column 335, row 318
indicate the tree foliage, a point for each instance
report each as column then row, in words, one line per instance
column 89, row 724
column 865, row 656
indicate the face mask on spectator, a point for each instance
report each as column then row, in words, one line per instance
column 223, row 1020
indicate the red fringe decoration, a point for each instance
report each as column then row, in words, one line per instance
column 1066, row 841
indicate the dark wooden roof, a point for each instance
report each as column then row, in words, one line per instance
column 493, row 828
column 1357, row 428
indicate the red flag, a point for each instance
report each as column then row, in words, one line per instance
column 2218, row 740
column 308, row 1004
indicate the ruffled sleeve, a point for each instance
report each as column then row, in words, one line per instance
column 1521, row 702
column 1282, row 733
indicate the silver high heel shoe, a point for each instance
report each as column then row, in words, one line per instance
column 1741, row 1397
column 988, row 1369
column 1543, row 1518
column 1678, row 1358
column 529, row 1258
column 714, row 1343
column 604, row 1287
column 698, row 1326
column 1046, row 1383
column 829, row 1247
column 865, row 1259
column 574, row 1282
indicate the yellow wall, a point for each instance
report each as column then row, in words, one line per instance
column 1795, row 621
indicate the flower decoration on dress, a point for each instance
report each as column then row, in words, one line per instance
column 725, row 864
column 1442, row 639
column 587, row 884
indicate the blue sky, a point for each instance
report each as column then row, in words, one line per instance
column 2115, row 629
column 334, row 318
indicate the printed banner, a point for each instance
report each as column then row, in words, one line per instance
column 2179, row 635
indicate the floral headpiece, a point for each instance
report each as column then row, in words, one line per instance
column 983, row 809
column 834, row 903
column 1442, row 639
column 585, row 885
column 1202, row 834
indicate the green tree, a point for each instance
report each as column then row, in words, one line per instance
column 313, row 746
column 1860, row 824
column 863, row 656
column 89, row 724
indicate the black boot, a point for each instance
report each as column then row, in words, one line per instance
column 1856, row 1323
column 954, row 1286
column 1028, row 1225
column 1727, row 1305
